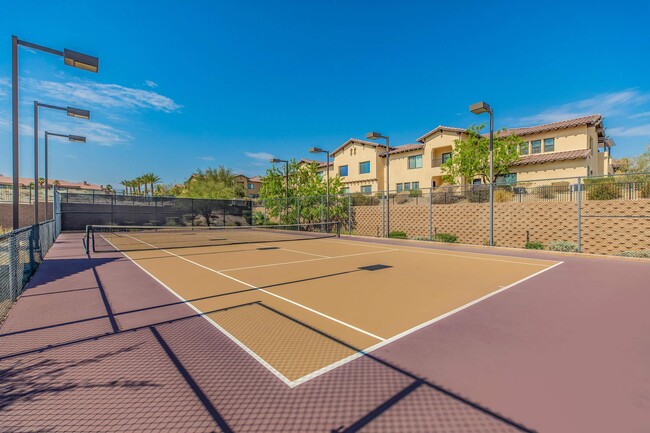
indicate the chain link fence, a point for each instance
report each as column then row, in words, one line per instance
column 597, row 215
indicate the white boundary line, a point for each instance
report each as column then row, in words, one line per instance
column 255, row 356
column 343, row 361
column 265, row 291
column 306, row 260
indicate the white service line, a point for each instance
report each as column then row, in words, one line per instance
column 296, row 251
column 306, row 260
column 263, row 290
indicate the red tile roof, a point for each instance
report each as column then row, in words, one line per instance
column 255, row 179
column 404, row 148
column 441, row 128
column 593, row 119
column 541, row 158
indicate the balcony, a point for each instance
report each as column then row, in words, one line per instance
column 436, row 165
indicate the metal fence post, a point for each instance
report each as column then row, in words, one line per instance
column 349, row 213
column 14, row 258
column 430, row 214
column 579, row 215
column 383, row 216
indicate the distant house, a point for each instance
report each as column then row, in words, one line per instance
column 252, row 185
column 60, row 183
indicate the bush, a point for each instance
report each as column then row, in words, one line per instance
column 359, row 199
column 402, row 198
column 565, row 246
column 397, row 234
column 534, row 245
column 415, row 193
column 445, row 237
column 420, row 238
column 503, row 196
column 644, row 189
column 546, row 192
column 644, row 254
column 604, row 188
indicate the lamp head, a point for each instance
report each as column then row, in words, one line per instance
column 78, row 112
column 317, row 150
column 275, row 160
column 80, row 60
column 373, row 135
column 480, row 108
column 77, row 138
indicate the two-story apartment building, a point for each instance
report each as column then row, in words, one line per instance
column 570, row 148
column 251, row 184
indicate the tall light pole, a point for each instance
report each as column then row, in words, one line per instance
column 480, row 108
column 72, row 112
column 319, row 150
column 73, row 138
column 70, row 58
column 286, row 184
column 375, row 136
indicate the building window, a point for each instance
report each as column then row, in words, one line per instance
column 415, row 162
column 343, row 170
column 407, row 186
column 591, row 143
column 415, row 185
column 446, row 157
column 476, row 182
column 507, row 179
column 251, row 186
column 364, row 167
column 549, row 144
column 345, row 190
column 523, row 148
column 400, row 187
column 366, row 189
column 537, row 146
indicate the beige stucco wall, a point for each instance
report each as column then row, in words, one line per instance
column 352, row 155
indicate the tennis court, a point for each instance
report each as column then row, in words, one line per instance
column 364, row 295
column 300, row 329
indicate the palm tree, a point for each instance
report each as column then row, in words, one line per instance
column 125, row 184
column 150, row 179
column 109, row 189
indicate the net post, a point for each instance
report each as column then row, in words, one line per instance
column 338, row 229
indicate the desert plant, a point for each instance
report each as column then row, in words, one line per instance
column 258, row 218
column 402, row 198
column 644, row 189
column 415, row 193
column 643, row 254
column 445, row 237
column 503, row 196
column 546, row 192
column 532, row 245
column 359, row 199
column 604, row 188
column 420, row 238
column 566, row 246
column 398, row 234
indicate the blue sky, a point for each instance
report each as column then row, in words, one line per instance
column 187, row 85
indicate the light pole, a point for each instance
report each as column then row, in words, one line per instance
column 70, row 58
column 72, row 112
column 480, row 108
column 73, row 138
column 286, row 184
column 319, row 150
column 375, row 136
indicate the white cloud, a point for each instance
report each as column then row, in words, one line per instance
column 262, row 156
column 633, row 131
column 96, row 133
column 150, row 83
column 101, row 95
column 607, row 104
column 636, row 116
column 4, row 86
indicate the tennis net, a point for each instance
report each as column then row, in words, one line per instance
column 138, row 238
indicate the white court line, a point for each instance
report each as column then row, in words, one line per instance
column 255, row 356
column 427, row 251
column 263, row 290
column 296, row 251
column 307, row 260
column 413, row 329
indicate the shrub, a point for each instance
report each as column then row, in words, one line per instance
column 644, row 189
column 644, row 254
column 561, row 186
column 397, row 234
column 445, row 237
column 604, row 188
column 534, row 245
column 565, row 246
column 420, row 238
column 359, row 199
column 546, row 192
column 503, row 196
column 415, row 193
column 443, row 197
column 258, row 218
column 402, row 198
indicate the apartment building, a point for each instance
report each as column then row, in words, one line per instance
column 570, row 148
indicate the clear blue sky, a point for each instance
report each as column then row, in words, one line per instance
column 187, row 85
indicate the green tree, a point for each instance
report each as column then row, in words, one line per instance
column 470, row 157
column 637, row 164
column 214, row 183
column 150, row 179
column 307, row 191
column 126, row 184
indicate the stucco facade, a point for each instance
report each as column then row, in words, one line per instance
column 570, row 148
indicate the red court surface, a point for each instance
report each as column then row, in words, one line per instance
column 95, row 343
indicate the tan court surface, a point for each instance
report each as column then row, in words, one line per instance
column 352, row 292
